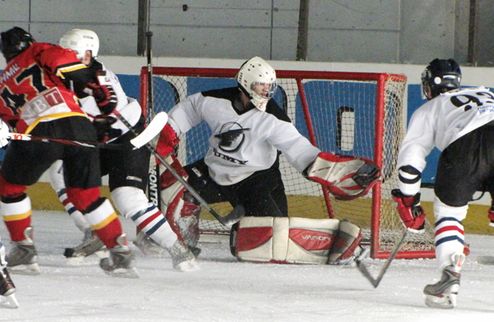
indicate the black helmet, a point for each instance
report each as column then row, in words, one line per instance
column 14, row 41
column 441, row 75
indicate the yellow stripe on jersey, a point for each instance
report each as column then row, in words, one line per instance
column 15, row 217
column 51, row 117
column 105, row 222
column 62, row 70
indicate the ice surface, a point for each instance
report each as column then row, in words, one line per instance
column 227, row 290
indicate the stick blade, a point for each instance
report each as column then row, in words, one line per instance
column 152, row 129
column 365, row 272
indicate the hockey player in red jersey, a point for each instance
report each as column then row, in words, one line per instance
column 460, row 123
column 126, row 169
column 35, row 100
column 249, row 131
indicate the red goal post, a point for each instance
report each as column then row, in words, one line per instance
column 359, row 114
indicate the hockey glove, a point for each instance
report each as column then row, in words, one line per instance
column 411, row 213
column 345, row 177
column 104, row 95
column 4, row 134
column 104, row 130
column 168, row 141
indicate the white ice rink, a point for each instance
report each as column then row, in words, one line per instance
column 227, row 290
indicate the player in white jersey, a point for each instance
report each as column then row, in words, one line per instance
column 126, row 168
column 459, row 122
column 249, row 130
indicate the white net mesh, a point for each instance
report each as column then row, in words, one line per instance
column 354, row 114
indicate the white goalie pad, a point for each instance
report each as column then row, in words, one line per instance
column 285, row 240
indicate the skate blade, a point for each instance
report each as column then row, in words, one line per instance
column 187, row 266
column 447, row 301
column 29, row 269
column 123, row 273
column 9, row 301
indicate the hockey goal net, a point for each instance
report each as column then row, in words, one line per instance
column 358, row 114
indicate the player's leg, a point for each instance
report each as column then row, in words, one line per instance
column 460, row 173
column 23, row 164
column 83, row 179
column 127, row 181
column 90, row 242
column 58, row 184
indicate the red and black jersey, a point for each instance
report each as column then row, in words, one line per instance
column 32, row 86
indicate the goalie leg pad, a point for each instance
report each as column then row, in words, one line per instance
column 285, row 240
column 347, row 240
column 179, row 207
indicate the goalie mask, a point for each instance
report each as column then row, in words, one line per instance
column 440, row 76
column 80, row 40
column 15, row 41
column 257, row 79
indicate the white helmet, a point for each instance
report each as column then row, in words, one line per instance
column 256, row 71
column 80, row 40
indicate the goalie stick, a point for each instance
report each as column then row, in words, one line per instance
column 365, row 271
column 154, row 171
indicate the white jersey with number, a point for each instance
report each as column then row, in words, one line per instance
column 442, row 120
column 241, row 144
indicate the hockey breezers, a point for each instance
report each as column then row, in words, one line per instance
column 365, row 271
column 226, row 221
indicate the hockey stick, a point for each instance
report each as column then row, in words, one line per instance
column 364, row 270
column 151, row 131
column 27, row 137
column 154, row 172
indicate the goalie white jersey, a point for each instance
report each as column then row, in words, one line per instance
column 441, row 121
column 241, row 143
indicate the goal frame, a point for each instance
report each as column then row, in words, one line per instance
column 299, row 75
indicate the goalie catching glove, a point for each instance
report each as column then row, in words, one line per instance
column 345, row 177
column 411, row 213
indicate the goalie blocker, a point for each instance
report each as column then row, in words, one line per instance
column 295, row 240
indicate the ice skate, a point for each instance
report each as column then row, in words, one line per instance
column 182, row 258
column 121, row 260
column 90, row 244
column 443, row 293
column 7, row 290
column 147, row 246
column 23, row 257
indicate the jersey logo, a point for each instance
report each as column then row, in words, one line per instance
column 231, row 136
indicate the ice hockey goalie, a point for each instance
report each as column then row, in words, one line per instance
column 295, row 240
